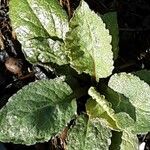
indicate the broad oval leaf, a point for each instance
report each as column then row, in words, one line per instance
column 137, row 91
column 133, row 88
column 40, row 27
column 37, row 112
column 99, row 107
column 88, row 43
column 88, row 134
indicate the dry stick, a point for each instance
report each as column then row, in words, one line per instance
column 5, row 2
column 1, row 42
column 31, row 74
column 134, row 30
column 126, row 65
column 67, row 4
column 69, row 8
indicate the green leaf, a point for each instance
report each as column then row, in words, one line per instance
column 88, row 43
column 110, row 19
column 119, row 102
column 143, row 75
column 40, row 27
column 121, row 105
column 124, row 141
column 89, row 134
column 99, row 107
column 37, row 112
column 137, row 91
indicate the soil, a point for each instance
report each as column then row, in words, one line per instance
column 134, row 54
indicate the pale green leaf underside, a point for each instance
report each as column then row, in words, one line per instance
column 88, row 43
column 37, row 112
column 110, row 19
column 124, row 141
column 99, row 107
column 40, row 26
column 129, row 141
column 137, row 91
column 89, row 134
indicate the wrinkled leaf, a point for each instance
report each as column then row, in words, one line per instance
column 124, row 141
column 137, row 91
column 120, row 103
column 110, row 19
column 89, row 134
column 40, row 27
column 37, row 112
column 99, row 107
column 88, row 43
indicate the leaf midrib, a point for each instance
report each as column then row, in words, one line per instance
column 41, row 23
column 93, row 51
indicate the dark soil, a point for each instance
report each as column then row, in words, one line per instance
column 134, row 45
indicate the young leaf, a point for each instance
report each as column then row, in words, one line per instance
column 119, row 102
column 88, row 43
column 89, row 134
column 37, row 112
column 99, row 107
column 40, row 27
column 137, row 91
column 110, row 19
column 124, row 141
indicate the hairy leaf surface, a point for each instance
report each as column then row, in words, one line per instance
column 99, row 107
column 89, row 134
column 37, row 112
column 40, row 27
column 88, row 43
column 137, row 91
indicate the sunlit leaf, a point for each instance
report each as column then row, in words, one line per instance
column 137, row 91
column 88, row 43
column 88, row 134
column 37, row 112
column 41, row 27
